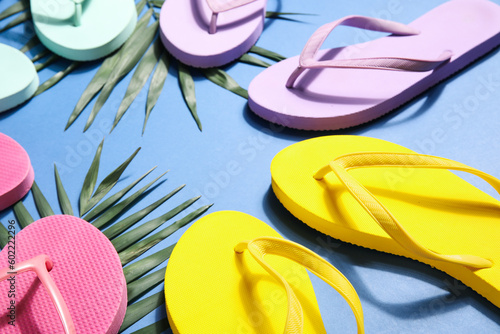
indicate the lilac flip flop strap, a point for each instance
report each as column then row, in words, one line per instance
column 307, row 57
column 41, row 265
column 218, row 6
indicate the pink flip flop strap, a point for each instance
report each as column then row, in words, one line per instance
column 218, row 6
column 307, row 57
column 41, row 265
column 342, row 164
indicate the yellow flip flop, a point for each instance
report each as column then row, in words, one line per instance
column 221, row 279
column 383, row 196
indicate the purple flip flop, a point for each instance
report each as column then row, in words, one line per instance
column 210, row 33
column 343, row 87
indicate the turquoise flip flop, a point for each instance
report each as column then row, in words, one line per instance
column 19, row 79
column 83, row 30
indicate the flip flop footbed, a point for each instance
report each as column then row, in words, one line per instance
column 19, row 78
column 442, row 211
column 105, row 26
column 16, row 172
column 87, row 272
column 228, row 292
column 334, row 98
column 184, row 26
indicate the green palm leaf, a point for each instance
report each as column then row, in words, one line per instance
column 94, row 87
column 34, row 41
column 41, row 203
column 126, row 223
column 140, row 268
column 23, row 216
column 131, row 54
column 113, row 212
column 47, row 62
column 246, row 58
column 17, row 7
column 42, row 54
column 145, row 284
column 139, row 78
column 156, row 328
column 142, row 246
column 139, row 309
column 186, row 83
column 156, row 86
column 106, row 204
column 4, row 236
column 17, row 21
column 90, row 181
column 56, row 78
column 224, row 80
column 129, row 238
column 139, row 280
column 266, row 53
column 64, row 202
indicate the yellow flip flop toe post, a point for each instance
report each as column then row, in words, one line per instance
column 383, row 196
column 230, row 273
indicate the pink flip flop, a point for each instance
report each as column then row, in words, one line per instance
column 61, row 275
column 210, row 33
column 343, row 87
column 16, row 173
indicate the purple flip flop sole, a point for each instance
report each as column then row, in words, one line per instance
column 336, row 98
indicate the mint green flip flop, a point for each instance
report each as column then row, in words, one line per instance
column 18, row 78
column 83, row 30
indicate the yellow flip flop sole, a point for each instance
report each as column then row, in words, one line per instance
column 217, row 280
column 360, row 190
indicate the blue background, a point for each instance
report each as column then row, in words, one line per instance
column 228, row 163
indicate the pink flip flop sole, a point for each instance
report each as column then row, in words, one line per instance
column 335, row 98
column 87, row 271
column 16, row 172
column 184, row 26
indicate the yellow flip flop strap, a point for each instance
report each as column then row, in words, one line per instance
column 379, row 212
column 260, row 247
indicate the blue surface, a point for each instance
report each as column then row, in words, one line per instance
column 228, row 163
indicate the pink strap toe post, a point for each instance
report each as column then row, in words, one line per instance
column 42, row 265
column 219, row 6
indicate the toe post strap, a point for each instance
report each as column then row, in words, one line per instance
column 260, row 247
column 219, row 6
column 307, row 57
column 42, row 265
column 342, row 164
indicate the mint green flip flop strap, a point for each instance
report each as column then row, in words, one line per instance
column 77, row 17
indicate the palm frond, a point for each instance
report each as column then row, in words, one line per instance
column 4, row 236
column 131, row 220
column 133, row 52
column 34, row 41
column 138, row 310
column 145, row 284
column 56, row 78
column 186, row 83
column 17, row 21
column 22, row 215
column 62, row 196
column 156, row 86
column 224, row 80
column 139, row 78
column 15, row 8
column 246, row 58
column 139, row 281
